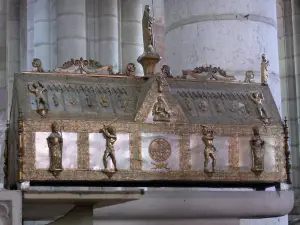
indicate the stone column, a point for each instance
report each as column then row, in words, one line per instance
column 109, row 33
column 30, row 33
column 132, row 36
column 71, row 30
column 224, row 33
column 12, row 47
column 42, row 32
column 2, row 48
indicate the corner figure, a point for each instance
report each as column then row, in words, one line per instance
column 160, row 111
column 264, row 70
column 258, row 98
column 257, row 149
column 109, row 133
column 38, row 90
column 55, row 145
column 209, row 151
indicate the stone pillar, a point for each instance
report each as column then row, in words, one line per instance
column 23, row 35
column 71, row 30
column 109, row 33
column 53, row 36
column 132, row 36
column 12, row 47
column 42, row 32
column 2, row 48
column 224, row 33
column 30, row 33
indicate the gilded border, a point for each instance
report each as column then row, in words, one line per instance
column 136, row 173
column 83, row 152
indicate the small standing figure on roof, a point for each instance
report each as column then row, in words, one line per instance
column 264, row 70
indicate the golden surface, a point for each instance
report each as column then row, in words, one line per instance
column 135, row 173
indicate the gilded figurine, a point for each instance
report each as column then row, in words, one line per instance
column 209, row 151
column 130, row 69
column 258, row 99
column 55, row 145
column 160, row 111
column 166, row 71
column 37, row 65
column 257, row 149
column 148, row 30
column 38, row 90
column 264, row 70
column 109, row 133
column 55, row 100
column 249, row 77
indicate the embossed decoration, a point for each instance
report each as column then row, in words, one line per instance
column 82, row 66
column 166, row 71
column 160, row 150
column 207, row 73
column 104, row 101
column 249, row 77
column 288, row 164
column 74, row 101
column 41, row 102
column 89, row 101
column 238, row 107
column 203, row 106
column 37, row 65
column 257, row 149
column 160, row 111
column 130, row 69
column 55, row 100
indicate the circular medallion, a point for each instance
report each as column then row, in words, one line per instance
column 159, row 150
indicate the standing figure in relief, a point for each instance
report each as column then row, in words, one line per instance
column 258, row 99
column 209, row 151
column 109, row 133
column 264, row 70
column 257, row 148
column 55, row 145
column 148, row 30
column 38, row 90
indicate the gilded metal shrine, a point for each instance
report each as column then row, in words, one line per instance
column 156, row 128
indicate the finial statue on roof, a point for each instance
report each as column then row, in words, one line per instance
column 149, row 58
column 264, row 70
column 148, row 22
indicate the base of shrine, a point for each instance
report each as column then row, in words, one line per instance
column 155, row 206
